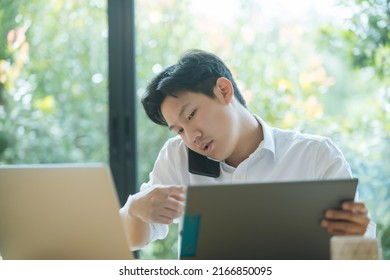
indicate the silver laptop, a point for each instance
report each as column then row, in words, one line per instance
column 60, row 212
column 261, row 221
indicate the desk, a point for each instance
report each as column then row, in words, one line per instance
column 351, row 248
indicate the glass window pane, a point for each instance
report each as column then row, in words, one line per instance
column 53, row 85
column 317, row 66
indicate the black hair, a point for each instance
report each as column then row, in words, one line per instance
column 197, row 71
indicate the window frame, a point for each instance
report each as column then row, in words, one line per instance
column 122, row 119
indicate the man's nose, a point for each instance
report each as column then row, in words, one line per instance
column 194, row 135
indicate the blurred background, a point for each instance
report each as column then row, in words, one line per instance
column 321, row 67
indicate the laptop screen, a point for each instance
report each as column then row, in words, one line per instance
column 60, row 212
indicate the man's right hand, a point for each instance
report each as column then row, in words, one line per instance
column 161, row 205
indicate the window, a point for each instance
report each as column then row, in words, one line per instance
column 309, row 65
column 53, row 82
column 316, row 66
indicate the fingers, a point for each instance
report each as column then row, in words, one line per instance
column 172, row 208
column 357, row 207
column 177, row 192
column 343, row 228
column 352, row 219
column 162, row 204
column 357, row 218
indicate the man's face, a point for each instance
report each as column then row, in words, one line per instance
column 205, row 124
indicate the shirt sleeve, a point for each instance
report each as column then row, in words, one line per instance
column 156, row 231
column 331, row 163
column 335, row 166
column 165, row 172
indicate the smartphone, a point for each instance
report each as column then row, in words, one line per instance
column 201, row 165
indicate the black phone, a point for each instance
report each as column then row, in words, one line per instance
column 201, row 165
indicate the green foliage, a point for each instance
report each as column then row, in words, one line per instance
column 163, row 249
column 54, row 82
column 364, row 41
column 385, row 241
column 365, row 35
column 294, row 76
column 8, row 22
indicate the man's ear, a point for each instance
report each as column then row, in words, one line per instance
column 224, row 90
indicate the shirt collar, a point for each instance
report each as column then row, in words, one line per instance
column 268, row 142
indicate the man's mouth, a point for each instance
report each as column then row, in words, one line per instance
column 207, row 148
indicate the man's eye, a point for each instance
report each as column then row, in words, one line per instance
column 180, row 131
column 191, row 115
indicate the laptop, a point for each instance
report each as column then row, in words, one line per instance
column 60, row 212
column 261, row 221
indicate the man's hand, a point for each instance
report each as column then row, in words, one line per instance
column 161, row 205
column 352, row 219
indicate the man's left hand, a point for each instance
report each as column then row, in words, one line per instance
column 352, row 219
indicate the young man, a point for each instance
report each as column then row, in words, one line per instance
column 198, row 99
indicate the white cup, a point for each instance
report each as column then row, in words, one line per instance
column 354, row 248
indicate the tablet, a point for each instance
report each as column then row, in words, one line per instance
column 261, row 221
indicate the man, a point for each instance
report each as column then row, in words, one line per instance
column 198, row 99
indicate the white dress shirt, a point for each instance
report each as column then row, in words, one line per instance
column 283, row 155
